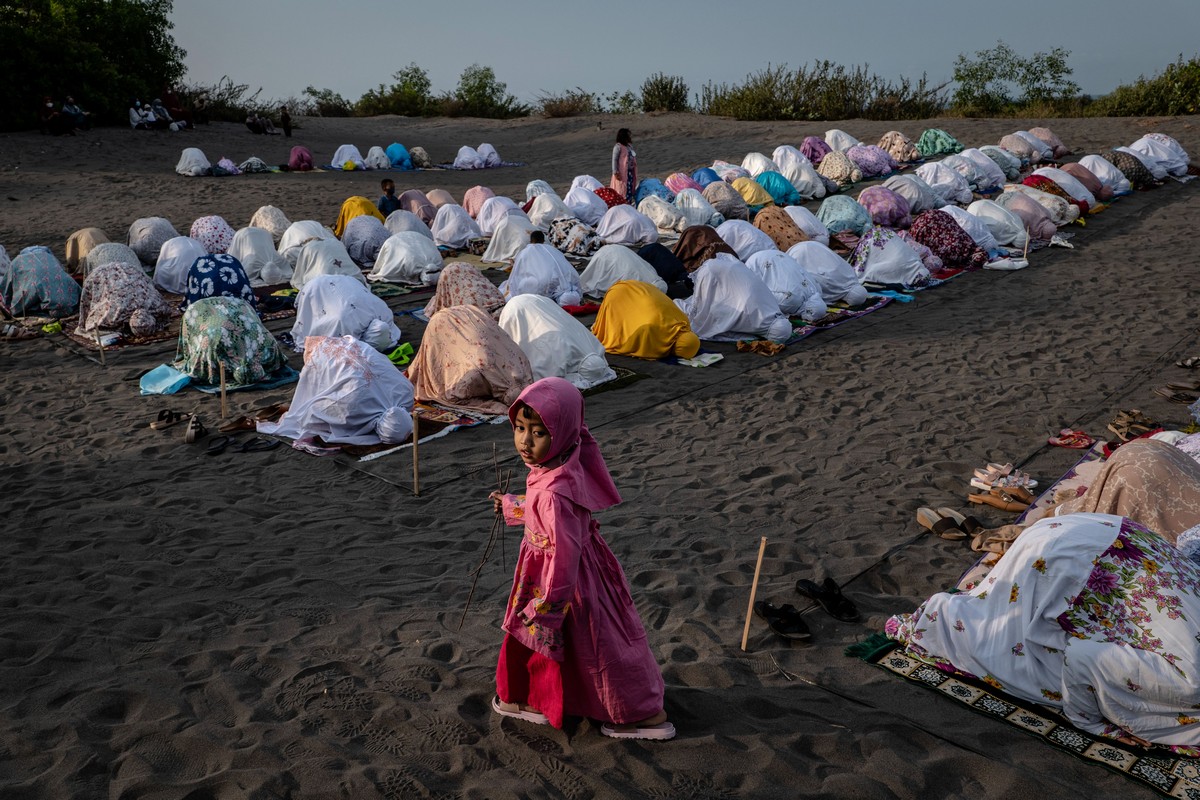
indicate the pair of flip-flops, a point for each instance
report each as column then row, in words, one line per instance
column 1184, row 398
column 166, row 418
column 947, row 523
column 1189, row 363
column 829, row 596
column 784, row 620
column 255, row 444
column 1075, row 440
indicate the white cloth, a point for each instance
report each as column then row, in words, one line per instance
column 1069, row 184
column 919, row 194
column 665, row 216
column 453, row 227
column 402, row 220
column 377, row 158
column 489, row 155
column 1005, row 226
column 586, row 182
column 756, row 164
column 585, row 205
column 271, row 219
column 696, row 209
column 837, row 279
column 557, row 344
column 885, row 257
column 1043, row 151
column 798, row 293
column 324, row 257
column 536, row 187
column 1157, row 170
column 546, row 208
column 192, row 163
column 542, row 269
column 808, row 222
column 468, row 158
column 945, row 183
column 299, row 233
column 615, row 262
column 744, row 238
column 840, row 140
column 799, row 171
column 624, row 224
column 991, row 176
column 1171, row 160
column 1106, row 173
column 493, row 210
column 255, row 249
column 348, row 152
column 408, row 257
column 1011, row 166
column 1061, row 212
column 974, row 176
column 175, row 258
column 510, row 238
column 339, row 305
column 348, row 393
column 975, row 228
column 730, row 302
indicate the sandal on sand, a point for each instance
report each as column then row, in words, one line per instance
column 830, row 597
column 12, row 331
column 195, row 430
column 1189, row 363
column 1076, row 440
column 270, row 413
column 239, row 424
column 1015, row 493
column 1183, row 398
column 940, row 524
column 167, row 418
column 660, row 732
column 967, row 524
column 989, row 499
column 514, row 710
column 1185, row 386
column 990, row 479
column 784, row 620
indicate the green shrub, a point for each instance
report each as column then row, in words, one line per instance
column 621, row 103
column 1173, row 92
column 664, row 93
column 479, row 94
column 571, row 103
column 1001, row 82
column 409, row 96
column 328, row 103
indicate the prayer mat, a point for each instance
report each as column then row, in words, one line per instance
column 282, row 377
column 434, row 422
column 835, row 317
column 1171, row 771
column 624, row 378
column 477, row 169
column 169, row 333
column 386, row 290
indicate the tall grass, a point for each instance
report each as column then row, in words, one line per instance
column 1174, row 91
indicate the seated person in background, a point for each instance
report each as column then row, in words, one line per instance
column 53, row 122
column 200, row 108
column 171, row 101
column 160, row 111
column 388, row 202
column 254, row 124
column 138, row 119
column 78, row 117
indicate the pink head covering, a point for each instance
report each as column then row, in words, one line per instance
column 582, row 477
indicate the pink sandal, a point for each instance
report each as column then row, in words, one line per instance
column 1076, row 440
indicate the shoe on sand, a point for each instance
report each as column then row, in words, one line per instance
column 661, row 732
column 516, row 712
column 940, row 524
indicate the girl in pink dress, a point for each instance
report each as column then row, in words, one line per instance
column 573, row 641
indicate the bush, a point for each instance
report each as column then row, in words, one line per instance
column 664, row 93
column 621, row 103
column 479, row 94
column 328, row 103
column 408, row 97
column 1174, row 92
column 1000, row 82
column 572, row 103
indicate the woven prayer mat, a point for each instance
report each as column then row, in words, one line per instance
column 835, row 317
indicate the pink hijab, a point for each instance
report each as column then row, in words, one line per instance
column 582, row 476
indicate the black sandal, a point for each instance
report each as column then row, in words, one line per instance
column 830, row 598
column 785, row 620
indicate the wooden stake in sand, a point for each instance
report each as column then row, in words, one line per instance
column 224, row 402
column 100, row 344
column 762, row 548
column 416, row 475
column 1025, row 255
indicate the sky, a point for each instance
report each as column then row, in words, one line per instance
column 538, row 47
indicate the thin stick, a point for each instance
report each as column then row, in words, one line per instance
column 1025, row 255
column 416, row 468
column 762, row 548
column 100, row 344
column 499, row 484
column 224, row 400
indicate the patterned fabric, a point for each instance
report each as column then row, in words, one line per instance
column 462, row 284
column 1056, row 144
column 730, row 172
column 36, row 284
column 815, row 149
column 1008, row 163
column 679, row 181
column 218, row 275
column 121, row 296
column 625, row 180
column 899, row 147
column 363, row 237
column 885, row 207
column 1130, row 166
column 936, row 142
column 872, row 161
column 837, row 167
column 882, row 256
column 226, row 330
column 1044, row 184
column 147, row 236
column 271, row 219
column 420, row 158
column 213, row 233
column 80, row 244
column 572, row 237
column 938, row 231
column 840, row 213
column 474, row 199
column 653, row 186
column 1020, row 148
column 726, row 200
column 108, row 253
column 782, row 192
column 776, row 223
column 610, row 197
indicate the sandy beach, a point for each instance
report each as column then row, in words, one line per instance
column 276, row 625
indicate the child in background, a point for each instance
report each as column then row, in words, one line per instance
column 389, row 202
column 573, row 641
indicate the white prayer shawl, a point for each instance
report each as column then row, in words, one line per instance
column 586, row 182
column 744, row 238
column 468, row 158
column 1042, row 151
column 1069, row 184
column 324, row 257
column 299, row 233
column 809, row 224
column 730, row 303
column 975, row 177
column 403, row 220
column 493, row 210
column 338, row 305
column 377, row 158
column 192, row 163
column 1178, row 154
column 1172, row 160
column 489, row 155
column 665, row 216
column 1005, row 226
column 624, row 224
column 542, row 269
column 348, row 393
column 255, row 249
column 348, row 152
column 974, row 227
column 557, row 344
column 945, row 183
column 408, row 257
column 756, row 164
column 799, row 171
column 175, row 258
column 453, row 227
column 536, row 187
column 510, row 238
column 1011, row 166
column 271, row 219
column 1061, row 212
column 837, row 278
column 545, row 209
column 696, row 209
column 1106, row 173
column 1157, row 170
column 919, row 194
column 585, row 205
column 991, row 176
column 615, row 262
column 798, row 293
column 840, row 140
column 895, row 263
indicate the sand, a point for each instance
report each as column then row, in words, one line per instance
column 270, row 625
